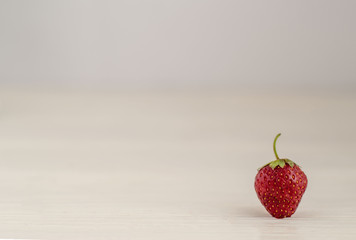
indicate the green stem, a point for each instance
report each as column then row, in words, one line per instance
column 274, row 145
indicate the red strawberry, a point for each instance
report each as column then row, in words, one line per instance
column 280, row 186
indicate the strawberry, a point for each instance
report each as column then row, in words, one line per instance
column 280, row 186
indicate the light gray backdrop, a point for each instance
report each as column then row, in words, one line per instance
column 181, row 43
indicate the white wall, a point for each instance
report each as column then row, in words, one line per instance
column 181, row 43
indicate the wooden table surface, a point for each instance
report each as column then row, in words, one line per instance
column 171, row 164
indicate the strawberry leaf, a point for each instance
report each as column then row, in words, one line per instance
column 290, row 162
column 282, row 164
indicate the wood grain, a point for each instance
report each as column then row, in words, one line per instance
column 171, row 165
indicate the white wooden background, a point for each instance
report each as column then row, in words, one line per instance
column 171, row 165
